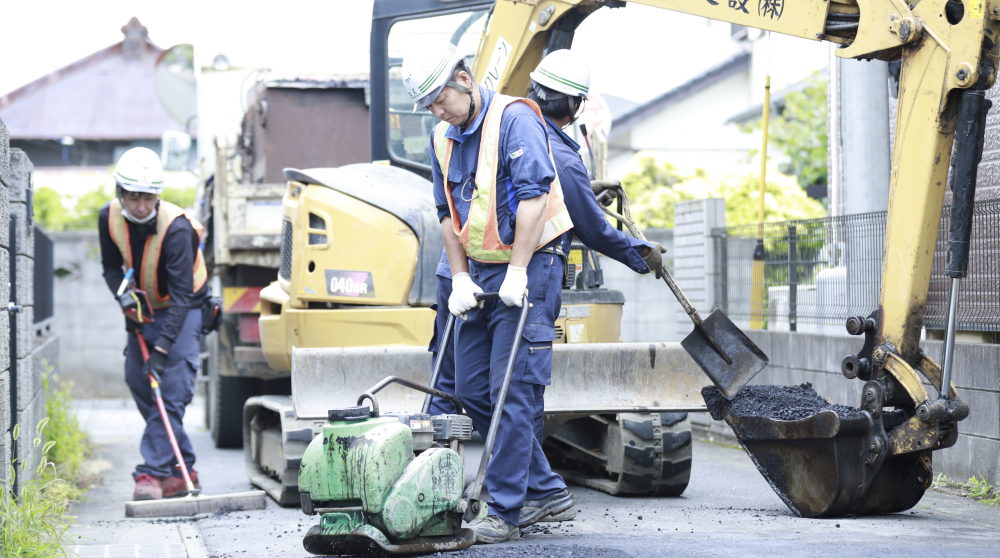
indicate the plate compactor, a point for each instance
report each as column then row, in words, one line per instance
column 392, row 483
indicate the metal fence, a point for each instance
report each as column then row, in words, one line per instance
column 818, row 272
column 979, row 293
column 44, row 276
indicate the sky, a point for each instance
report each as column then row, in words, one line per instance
column 634, row 52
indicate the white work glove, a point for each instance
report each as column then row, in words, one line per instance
column 463, row 294
column 514, row 285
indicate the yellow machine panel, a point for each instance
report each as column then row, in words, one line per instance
column 375, row 252
column 283, row 327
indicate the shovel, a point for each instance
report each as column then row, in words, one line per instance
column 727, row 356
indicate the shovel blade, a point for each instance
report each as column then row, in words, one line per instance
column 747, row 358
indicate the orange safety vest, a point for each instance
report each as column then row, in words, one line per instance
column 481, row 233
column 147, row 277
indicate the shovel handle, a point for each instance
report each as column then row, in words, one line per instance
column 472, row 498
column 692, row 313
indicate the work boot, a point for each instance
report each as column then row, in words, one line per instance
column 557, row 507
column 495, row 530
column 147, row 487
column 176, row 487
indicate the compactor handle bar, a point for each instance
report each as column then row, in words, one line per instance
column 449, row 327
column 370, row 394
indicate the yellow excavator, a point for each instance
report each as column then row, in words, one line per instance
column 372, row 260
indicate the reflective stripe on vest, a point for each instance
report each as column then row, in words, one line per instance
column 481, row 233
column 147, row 276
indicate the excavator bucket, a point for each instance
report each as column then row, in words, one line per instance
column 830, row 463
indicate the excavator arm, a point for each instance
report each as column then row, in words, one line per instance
column 949, row 53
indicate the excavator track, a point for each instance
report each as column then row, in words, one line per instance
column 646, row 454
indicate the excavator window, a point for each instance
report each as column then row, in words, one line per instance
column 409, row 132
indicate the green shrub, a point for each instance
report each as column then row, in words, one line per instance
column 72, row 446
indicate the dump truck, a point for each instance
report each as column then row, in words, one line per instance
column 288, row 121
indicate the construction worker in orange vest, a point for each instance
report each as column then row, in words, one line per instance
column 160, row 243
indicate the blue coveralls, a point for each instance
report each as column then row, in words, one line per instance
column 590, row 225
column 518, row 469
column 176, row 385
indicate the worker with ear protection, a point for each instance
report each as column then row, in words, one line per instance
column 161, row 244
column 560, row 85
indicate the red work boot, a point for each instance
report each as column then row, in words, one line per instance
column 175, row 486
column 147, row 488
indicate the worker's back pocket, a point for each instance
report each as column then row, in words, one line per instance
column 536, row 350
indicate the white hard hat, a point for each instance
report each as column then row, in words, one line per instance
column 140, row 170
column 426, row 73
column 563, row 72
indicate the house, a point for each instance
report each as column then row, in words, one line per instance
column 78, row 120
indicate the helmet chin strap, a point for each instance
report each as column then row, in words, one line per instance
column 472, row 100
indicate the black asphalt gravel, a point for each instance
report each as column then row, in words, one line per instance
column 772, row 402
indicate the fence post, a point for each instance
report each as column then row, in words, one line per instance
column 722, row 255
column 793, row 278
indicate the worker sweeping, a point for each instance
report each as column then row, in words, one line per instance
column 559, row 86
column 157, row 240
column 502, row 219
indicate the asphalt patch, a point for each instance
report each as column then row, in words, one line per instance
column 515, row 549
column 772, row 402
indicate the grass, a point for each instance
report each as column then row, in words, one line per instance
column 36, row 522
column 975, row 488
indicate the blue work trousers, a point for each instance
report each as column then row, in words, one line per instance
column 518, row 469
column 177, row 389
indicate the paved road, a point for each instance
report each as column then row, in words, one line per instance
column 728, row 510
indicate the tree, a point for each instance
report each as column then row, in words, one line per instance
column 653, row 188
column 49, row 210
column 799, row 131
column 52, row 213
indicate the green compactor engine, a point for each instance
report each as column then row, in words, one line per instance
column 385, row 483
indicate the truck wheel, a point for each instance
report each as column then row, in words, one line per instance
column 228, row 396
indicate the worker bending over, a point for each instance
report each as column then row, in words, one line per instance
column 160, row 243
column 502, row 218
column 559, row 85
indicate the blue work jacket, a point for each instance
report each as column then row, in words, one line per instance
column 589, row 223
column 525, row 170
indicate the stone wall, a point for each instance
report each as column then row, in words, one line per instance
column 802, row 357
column 94, row 363
column 37, row 347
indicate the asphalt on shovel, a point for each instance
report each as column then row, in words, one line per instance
column 727, row 356
column 193, row 503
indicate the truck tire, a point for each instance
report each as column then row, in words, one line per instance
column 228, row 395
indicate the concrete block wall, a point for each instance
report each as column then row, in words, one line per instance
column 694, row 256
column 37, row 350
column 802, row 357
column 647, row 299
column 94, row 363
column 5, row 400
column 651, row 312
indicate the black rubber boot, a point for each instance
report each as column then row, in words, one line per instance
column 557, row 507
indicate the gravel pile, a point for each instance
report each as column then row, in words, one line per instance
column 773, row 402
